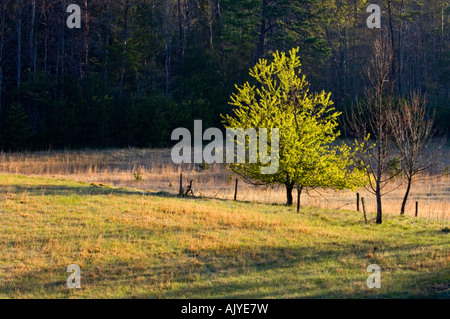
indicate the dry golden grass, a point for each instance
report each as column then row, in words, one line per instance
column 116, row 167
column 133, row 244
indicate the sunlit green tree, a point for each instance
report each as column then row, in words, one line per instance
column 309, row 154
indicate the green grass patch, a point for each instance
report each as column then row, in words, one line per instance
column 133, row 244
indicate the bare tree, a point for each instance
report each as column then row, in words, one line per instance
column 370, row 120
column 413, row 131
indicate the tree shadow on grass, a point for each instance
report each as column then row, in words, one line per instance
column 225, row 272
column 182, row 269
column 83, row 189
column 99, row 189
column 250, row 272
column 261, row 276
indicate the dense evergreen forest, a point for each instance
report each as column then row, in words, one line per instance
column 137, row 69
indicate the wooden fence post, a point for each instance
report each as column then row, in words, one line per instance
column 189, row 189
column 181, row 184
column 235, row 189
column 299, row 192
column 357, row 202
column 364, row 209
column 417, row 208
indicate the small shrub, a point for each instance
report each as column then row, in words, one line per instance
column 204, row 166
column 138, row 175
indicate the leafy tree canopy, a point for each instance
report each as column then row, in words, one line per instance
column 309, row 154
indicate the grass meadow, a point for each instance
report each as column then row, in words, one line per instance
column 138, row 239
column 116, row 167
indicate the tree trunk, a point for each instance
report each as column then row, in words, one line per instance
column 19, row 42
column 299, row 194
column 86, row 32
column 63, row 60
column 188, row 16
column 210, row 25
column 31, row 39
column 408, row 188
column 262, row 31
column 181, row 31
column 1, row 89
column 401, row 51
column 290, row 200
column 355, row 30
column 379, row 209
column 1, row 57
column 391, row 29
column 167, row 44
column 442, row 28
column 219, row 31
column 124, row 44
column 108, row 33
column 166, row 64
column 344, row 65
column 47, row 36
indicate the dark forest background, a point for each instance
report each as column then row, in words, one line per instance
column 137, row 69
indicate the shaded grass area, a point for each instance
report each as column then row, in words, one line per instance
column 134, row 244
